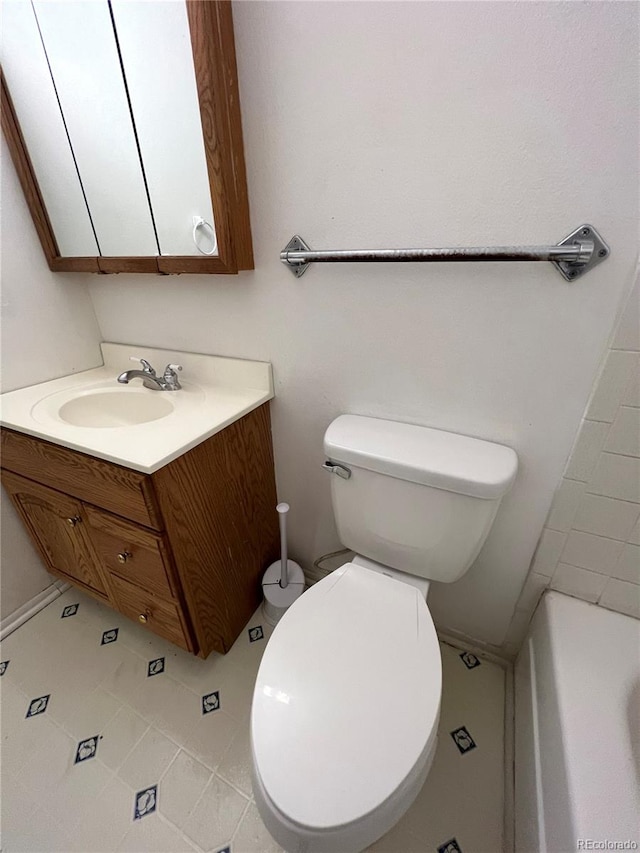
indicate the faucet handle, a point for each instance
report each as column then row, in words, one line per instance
column 171, row 377
column 145, row 364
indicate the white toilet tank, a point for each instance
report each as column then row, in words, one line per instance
column 420, row 500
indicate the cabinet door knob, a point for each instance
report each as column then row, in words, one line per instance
column 124, row 556
column 144, row 617
column 73, row 521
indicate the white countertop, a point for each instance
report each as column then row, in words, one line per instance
column 216, row 392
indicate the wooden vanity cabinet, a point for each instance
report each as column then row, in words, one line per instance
column 181, row 551
column 55, row 523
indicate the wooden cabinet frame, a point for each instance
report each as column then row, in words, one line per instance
column 214, row 56
column 206, row 520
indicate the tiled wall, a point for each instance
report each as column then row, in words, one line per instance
column 590, row 544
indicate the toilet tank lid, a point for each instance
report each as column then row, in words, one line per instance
column 431, row 457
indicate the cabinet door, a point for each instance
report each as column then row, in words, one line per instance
column 82, row 53
column 24, row 63
column 57, row 526
column 157, row 58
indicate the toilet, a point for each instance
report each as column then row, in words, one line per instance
column 346, row 705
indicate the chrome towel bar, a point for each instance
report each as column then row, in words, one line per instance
column 579, row 252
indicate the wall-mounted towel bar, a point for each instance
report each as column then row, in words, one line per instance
column 579, row 252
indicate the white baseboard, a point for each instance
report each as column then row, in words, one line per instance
column 34, row 605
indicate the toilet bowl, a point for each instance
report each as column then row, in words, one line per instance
column 345, row 712
column 346, row 704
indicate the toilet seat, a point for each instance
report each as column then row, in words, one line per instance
column 345, row 710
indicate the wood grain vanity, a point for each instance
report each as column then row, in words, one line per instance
column 181, row 551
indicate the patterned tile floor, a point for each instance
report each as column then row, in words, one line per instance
column 114, row 740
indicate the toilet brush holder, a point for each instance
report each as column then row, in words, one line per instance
column 283, row 582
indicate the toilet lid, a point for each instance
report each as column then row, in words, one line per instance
column 347, row 697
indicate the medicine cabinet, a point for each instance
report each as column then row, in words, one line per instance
column 123, row 121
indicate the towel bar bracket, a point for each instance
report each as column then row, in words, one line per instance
column 574, row 256
column 573, row 270
column 295, row 244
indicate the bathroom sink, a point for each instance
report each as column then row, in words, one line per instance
column 115, row 408
column 140, row 428
column 107, row 405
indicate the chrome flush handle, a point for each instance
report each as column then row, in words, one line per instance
column 336, row 468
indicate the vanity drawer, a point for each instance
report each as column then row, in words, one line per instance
column 131, row 552
column 161, row 617
column 110, row 486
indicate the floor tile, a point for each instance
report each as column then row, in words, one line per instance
column 47, row 755
column 103, row 827
column 99, row 617
column 205, row 736
column 50, row 652
column 434, row 819
column 153, row 835
column 20, row 743
column 464, row 792
column 16, row 807
column 128, row 682
column 9, row 648
column 153, row 732
column 84, row 714
column 235, row 766
column 224, row 673
column 13, row 702
column 398, row 840
column 252, row 835
column 148, row 760
column 216, row 816
column 182, row 786
column 144, row 642
column 248, row 654
column 40, row 835
column 55, row 785
column 62, row 662
column 120, row 736
column 77, row 793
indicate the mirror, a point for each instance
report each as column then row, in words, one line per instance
column 124, row 125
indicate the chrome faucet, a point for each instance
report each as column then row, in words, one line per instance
column 167, row 382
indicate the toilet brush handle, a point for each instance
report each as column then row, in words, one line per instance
column 282, row 509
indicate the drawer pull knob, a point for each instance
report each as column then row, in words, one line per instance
column 73, row 521
column 144, row 617
column 124, row 556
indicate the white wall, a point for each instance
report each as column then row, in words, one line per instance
column 425, row 124
column 590, row 544
column 49, row 329
column 596, row 509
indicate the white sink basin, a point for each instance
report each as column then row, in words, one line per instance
column 130, row 425
column 116, row 408
column 107, row 405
